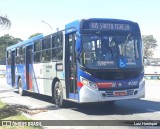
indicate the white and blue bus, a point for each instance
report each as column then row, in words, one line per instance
column 91, row 60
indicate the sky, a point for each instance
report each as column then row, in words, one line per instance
column 27, row 15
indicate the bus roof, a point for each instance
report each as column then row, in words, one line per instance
column 25, row 42
column 75, row 26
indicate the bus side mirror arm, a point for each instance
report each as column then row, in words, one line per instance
column 77, row 35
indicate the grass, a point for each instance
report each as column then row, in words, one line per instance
column 10, row 112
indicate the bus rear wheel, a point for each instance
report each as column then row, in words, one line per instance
column 20, row 87
column 58, row 94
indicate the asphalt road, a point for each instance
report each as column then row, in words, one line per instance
column 147, row 108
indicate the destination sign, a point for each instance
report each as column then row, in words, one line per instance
column 109, row 26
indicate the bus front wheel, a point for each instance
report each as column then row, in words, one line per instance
column 20, row 87
column 58, row 94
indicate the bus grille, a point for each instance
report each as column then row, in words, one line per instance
column 111, row 93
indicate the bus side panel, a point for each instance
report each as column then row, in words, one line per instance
column 37, row 78
column 20, row 71
column 50, row 72
column 42, row 77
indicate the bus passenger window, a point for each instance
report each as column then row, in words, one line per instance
column 37, row 45
column 37, row 57
column 46, row 55
column 9, row 61
column 23, row 49
column 57, row 40
column 17, row 51
column 8, row 57
column 18, row 60
column 57, row 47
column 46, row 43
column 57, row 54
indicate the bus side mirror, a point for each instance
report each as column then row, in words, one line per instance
column 78, row 45
column 77, row 35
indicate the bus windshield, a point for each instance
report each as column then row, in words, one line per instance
column 109, row 51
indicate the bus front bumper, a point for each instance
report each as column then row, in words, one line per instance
column 88, row 94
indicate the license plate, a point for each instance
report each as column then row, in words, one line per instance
column 119, row 93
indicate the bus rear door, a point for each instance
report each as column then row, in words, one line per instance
column 13, row 68
column 29, row 53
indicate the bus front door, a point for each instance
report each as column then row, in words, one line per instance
column 13, row 68
column 70, row 65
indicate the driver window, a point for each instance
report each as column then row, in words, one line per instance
column 87, row 52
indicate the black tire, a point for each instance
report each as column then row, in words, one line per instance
column 20, row 87
column 58, row 94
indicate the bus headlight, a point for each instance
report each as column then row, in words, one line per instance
column 84, row 81
column 88, row 83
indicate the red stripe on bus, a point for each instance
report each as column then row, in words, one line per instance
column 30, row 82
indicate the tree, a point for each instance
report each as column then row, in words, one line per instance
column 5, row 22
column 150, row 44
column 33, row 35
column 5, row 41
